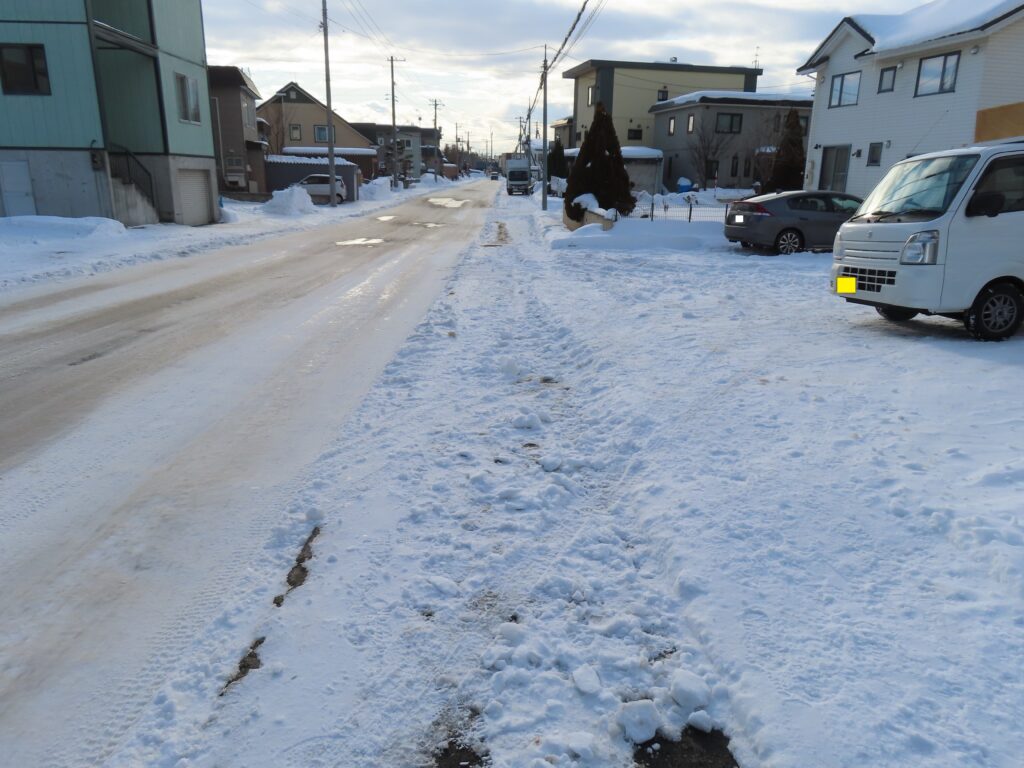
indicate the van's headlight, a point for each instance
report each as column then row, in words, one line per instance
column 922, row 248
column 838, row 249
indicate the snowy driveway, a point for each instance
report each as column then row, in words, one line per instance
column 152, row 424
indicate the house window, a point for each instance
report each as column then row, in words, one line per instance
column 23, row 70
column 887, row 80
column 672, row 126
column 248, row 111
column 805, row 124
column 188, row 98
column 294, row 132
column 635, row 134
column 408, row 143
column 875, row 153
column 663, row 94
column 845, row 90
column 778, row 122
column 711, row 170
column 937, row 74
column 746, row 166
column 590, row 95
column 727, row 122
column 734, row 169
column 689, row 123
column 380, row 141
column 320, row 134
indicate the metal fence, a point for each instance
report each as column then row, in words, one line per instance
column 691, row 212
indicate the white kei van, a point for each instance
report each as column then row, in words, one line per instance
column 941, row 234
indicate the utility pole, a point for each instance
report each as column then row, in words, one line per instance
column 458, row 152
column 330, row 116
column 544, row 153
column 437, row 141
column 394, row 129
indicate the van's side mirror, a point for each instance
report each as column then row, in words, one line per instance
column 989, row 204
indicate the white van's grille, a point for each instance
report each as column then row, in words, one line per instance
column 870, row 280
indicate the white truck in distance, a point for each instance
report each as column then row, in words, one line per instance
column 941, row 234
column 517, row 175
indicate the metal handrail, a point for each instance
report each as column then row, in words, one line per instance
column 126, row 166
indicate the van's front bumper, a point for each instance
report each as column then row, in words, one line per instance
column 889, row 283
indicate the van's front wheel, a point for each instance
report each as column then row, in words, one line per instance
column 996, row 314
column 896, row 314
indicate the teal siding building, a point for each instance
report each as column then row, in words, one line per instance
column 105, row 111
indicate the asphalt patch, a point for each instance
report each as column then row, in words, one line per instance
column 695, row 749
column 249, row 662
column 299, row 572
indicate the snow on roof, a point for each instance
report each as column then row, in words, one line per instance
column 628, row 153
column 322, row 151
column 737, row 96
column 932, row 21
column 295, row 160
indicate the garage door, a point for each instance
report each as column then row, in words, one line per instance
column 196, row 204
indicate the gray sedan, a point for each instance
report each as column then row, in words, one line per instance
column 789, row 222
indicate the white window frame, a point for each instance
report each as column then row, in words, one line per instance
column 672, row 126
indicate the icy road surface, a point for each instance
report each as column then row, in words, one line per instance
column 152, row 424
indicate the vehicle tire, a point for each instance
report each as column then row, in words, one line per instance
column 789, row 241
column 996, row 314
column 897, row 314
column 341, row 199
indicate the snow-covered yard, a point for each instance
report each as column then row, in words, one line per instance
column 42, row 248
column 618, row 483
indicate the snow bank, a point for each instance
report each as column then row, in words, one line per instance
column 378, row 189
column 38, row 230
column 294, row 201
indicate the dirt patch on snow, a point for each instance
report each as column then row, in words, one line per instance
column 695, row 749
column 297, row 575
column 249, row 662
column 455, row 755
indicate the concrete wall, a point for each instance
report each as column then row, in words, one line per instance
column 64, row 182
column 904, row 124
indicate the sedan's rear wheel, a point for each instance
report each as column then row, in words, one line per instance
column 789, row 241
column 996, row 314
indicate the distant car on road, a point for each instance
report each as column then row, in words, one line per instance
column 319, row 185
column 789, row 222
column 494, row 175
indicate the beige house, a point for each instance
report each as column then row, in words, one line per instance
column 628, row 88
column 294, row 118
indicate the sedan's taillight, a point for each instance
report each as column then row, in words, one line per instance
column 754, row 209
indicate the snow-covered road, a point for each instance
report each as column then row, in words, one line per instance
column 612, row 485
column 153, row 422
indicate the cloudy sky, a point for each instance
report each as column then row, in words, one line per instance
column 482, row 58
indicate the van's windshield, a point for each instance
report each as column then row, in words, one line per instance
column 922, row 189
column 518, row 176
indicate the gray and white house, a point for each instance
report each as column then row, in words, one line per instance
column 943, row 75
column 731, row 136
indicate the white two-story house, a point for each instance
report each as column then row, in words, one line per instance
column 946, row 74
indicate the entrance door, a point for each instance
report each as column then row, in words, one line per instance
column 16, row 188
column 835, row 168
